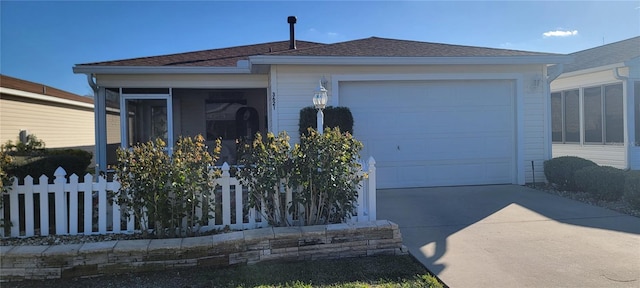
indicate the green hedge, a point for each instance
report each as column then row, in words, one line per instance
column 340, row 117
column 632, row 188
column 602, row 182
column 561, row 171
column 72, row 160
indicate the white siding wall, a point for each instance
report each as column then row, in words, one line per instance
column 294, row 87
column 606, row 155
column 57, row 125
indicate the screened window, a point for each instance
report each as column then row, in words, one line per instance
column 593, row 115
column 602, row 115
column 614, row 123
column 636, row 93
column 571, row 116
column 556, row 117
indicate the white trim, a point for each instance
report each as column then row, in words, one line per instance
column 124, row 123
column 356, row 60
column 47, row 98
column 158, row 70
column 272, row 100
column 518, row 101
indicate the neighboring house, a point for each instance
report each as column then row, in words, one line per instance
column 595, row 105
column 59, row 118
column 430, row 114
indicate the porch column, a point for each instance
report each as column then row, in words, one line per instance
column 100, row 115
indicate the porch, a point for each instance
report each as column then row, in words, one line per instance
column 128, row 116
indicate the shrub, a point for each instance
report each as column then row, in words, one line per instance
column 322, row 174
column 164, row 190
column 5, row 182
column 267, row 170
column 32, row 146
column 334, row 117
column 35, row 166
column 602, row 182
column 632, row 188
column 561, row 170
column 326, row 170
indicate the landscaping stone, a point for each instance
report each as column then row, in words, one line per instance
column 241, row 247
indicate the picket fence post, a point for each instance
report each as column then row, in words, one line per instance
column 372, row 189
column 87, row 188
column 60, row 200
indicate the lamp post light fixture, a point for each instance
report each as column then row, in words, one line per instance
column 320, row 101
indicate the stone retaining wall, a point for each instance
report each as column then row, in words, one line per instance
column 242, row 247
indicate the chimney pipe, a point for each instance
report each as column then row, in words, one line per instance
column 292, row 35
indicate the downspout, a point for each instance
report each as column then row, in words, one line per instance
column 96, row 117
column 627, row 107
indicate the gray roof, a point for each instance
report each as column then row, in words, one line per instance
column 608, row 54
column 368, row 47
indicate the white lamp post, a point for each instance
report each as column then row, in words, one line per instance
column 320, row 101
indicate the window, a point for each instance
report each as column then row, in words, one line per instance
column 613, row 112
column 593, row 115
column 602, row 115
column 556, row 117
column 571, row 116
column 636, row 93
column 565, row 116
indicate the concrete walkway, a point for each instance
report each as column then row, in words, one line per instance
column 513, row 236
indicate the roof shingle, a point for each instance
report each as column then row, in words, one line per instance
column 223, row 57
column 384, row 47
column 368, row 47
column 612, row 53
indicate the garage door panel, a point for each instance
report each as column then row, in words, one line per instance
column 435, row 133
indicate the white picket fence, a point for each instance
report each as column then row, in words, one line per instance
column 99, row 216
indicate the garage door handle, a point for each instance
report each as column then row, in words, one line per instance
column 398, row 147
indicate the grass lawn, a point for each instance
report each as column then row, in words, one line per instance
column 380, row 271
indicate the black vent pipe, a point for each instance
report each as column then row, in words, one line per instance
column 292, row 34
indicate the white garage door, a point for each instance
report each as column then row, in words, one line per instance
column 435, row 133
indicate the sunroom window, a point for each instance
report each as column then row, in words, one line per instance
column 636, row 94
column 602, row 115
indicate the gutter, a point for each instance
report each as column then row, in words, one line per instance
column 628, row 142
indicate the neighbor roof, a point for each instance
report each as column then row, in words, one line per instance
column 368, row 47
column 27, row 86
column 613, row 53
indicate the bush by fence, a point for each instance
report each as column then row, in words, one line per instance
column 602, row 182
column 632, row 188
column 561, row 171
column 335, row 117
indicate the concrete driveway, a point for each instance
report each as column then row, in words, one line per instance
column 513, row 236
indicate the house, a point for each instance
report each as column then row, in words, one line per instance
column 430, row 114
column 59, row 118
column 595, row 106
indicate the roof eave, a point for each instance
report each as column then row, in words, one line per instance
column 592, row 70
column 91, row 69
column 358, row 60
column 43, row 97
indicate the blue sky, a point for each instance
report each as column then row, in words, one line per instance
column 41, row 41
